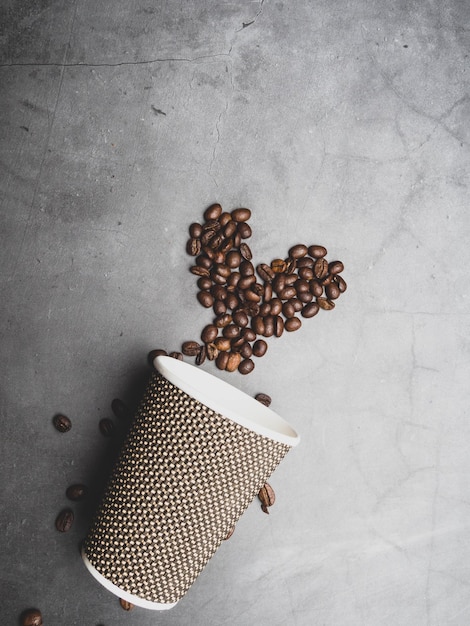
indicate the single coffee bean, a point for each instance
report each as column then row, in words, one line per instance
column 219, row 307
column 62, row 423
column 31, row 617
column 305, row 297
column 106, row 427
column 293, row 323
column 234, row 278
column 234, row 359
column 211, row 351
column 201, row 355
column 332, row 291
column 260, row 347
column 126, row 605
column 245, row 283
column 76, row 492
column 217, row 278
column 232, row 301
column 342, row 286
column 208, row 252
column 194, row 246
column 241, row 215
column 325, row 304
column 297, row 304
column 267, row 497
column 213, row 212
column 230, row 229
column 320, row 269
column 248, row 334
column 306, row 261
column 276, row 306
column 263, row 398
column 317, row 252
column 211, row 226
column 245, row 251
column 291, row 265
column 287, row 293
column 204, row 283
column 190, row 348
column 223, row 344
column 306, row 273
column 203, row 261
column 246, row 350
column 251, row 296
column 257, row 324
column 177, row 355
column 219, row 292
column 279, row 282
column 240, row 318
column 230, row 533
column 316, row 288
column 247, row 268
column 265, row 272
column 236, row 344
column 246, row 366
column 231, row 331
column 224, row 218
column 278, row 266
column 335, row 267
column 278, row 326
column 268, row 326
column 265, row 309
column 225, row 246
column 244, row 230
column 152, row 355
column 205, row 298
column 310, row 310
column 268, row 292
column 301, row 285
column 222, row 360
column 298, row 251
column 288, row 309
column 209, row 333
column 199, row 271
column 64, row 520
column 252, row 308
column 223, row 320
column 195, row 230
column 233, row 259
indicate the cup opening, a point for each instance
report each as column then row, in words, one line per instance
column 226, row 400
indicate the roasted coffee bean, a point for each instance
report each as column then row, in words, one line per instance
column 279, row 283
column 211, row 351
column 335, row 267
column 62, row 423
column 251, row 296
column 205, row 298
column 232, row 301
column 213, row 212
column 219, row 292
column 298, row 306
column 267, row 497
column 199, row 271
column 209, row 333
column 246, row 350
column 126, row 605
column 234, row 360
column 195, row 230
column 268, row 326
column 246, row 366
column 233, row 279
column 252, row 308
column 248, row 334
column 332, row 291
column 224, row 218
column 342, row 286
column 293, row 323
column 329, row 278
column 76, row 492
column 263, row 398
column 301, row 285
column 268, row 292
column 106, row 427
column 245, row 251
column 247, row 268
column 204, row 283
column 222, row 360
column 320, row 269
column 231, row 331
column 64, row 520
column 31, row 617
column 208, row 252
column 217, row 278
column 257, row 324
column 244, row 230
column 291, row 265
column 265, row 309
column 306, row 273
column 233, row 259
column 288, row 309
column 204, row 261
column 310, row 310
column 240, row 318
column 211, row 226
column 260, row 347
column 246, row 282
column 265, row 272
column 224, row 248
column 276, row 306
column 305, row 262
column 201, row 355
column 278, row 266
column 317, row 252
column 241, row 215
column 316, row 288
column 222, row 344
column 229, row 534
column 325, row 304
column 287, row 293
column 222, row 269
column 305, row 297
column 219, row 307
column 190, row 348
column 223, row 320
column 278, row 326
column 152, row 355
column 290, row 279
column 230, row 229
column 194, row 247
column 176, row 355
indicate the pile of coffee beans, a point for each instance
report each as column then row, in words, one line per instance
column 252, row 303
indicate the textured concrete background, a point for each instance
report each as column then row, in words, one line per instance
column 341, row 123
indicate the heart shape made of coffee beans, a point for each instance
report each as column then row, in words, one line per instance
column 251, row 304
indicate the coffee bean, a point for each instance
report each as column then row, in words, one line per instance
column 126, row 605
column 64, row 520
column 288, row 309
column 325, row 304
column 223, row 320
column 204, row 283
column 213, row 212
column 310, row 310
column 245, row 283
column 230, row 229
column 31, row 617
column 211, row 351
column 246, row 350
column 247, row 268
column 305, row 262
column 263, row 398
column 76, row 492
column 106, row 427
column 176, row 355
column 240, row 318
column 332, row 291
column 244, row 230
column 342, row 286
column 320, row 269
column 201, row 355
column 267, row 497
column 335, row 267
column 245, row 251
column 190, row 348
column 248, row 334
column 231, row 331
column 232, row 301
column 233, row 259
column 222, row 360
column 276, row 306
column 251, row 296
column 62, row 423
column 199, row 271
column 246, row 366
column 293, row 323
column 301, row 285
column 224, row 218
column 194, row 247
column 209, row 333
column 257, row 324
column 278, row 266
column 223, row 344
column 287, row 293
column 241, row 215
column 152, row 355
column 278, row 326
column 306, row 273
column 233, row 361
column 219, row 292
column 268, row 292
column 316, row 288
column 305, row 297
column 265, row 272
column 195, row 230
column 260, row 347
column 317, row 252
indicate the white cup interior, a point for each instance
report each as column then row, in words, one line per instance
column 227, row 400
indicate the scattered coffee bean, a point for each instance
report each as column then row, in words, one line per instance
column 293, row 323
column 62, row 423
column 213, row 212
column 260, row 347
column 201, row 355
column 320, row 269
column 317, row 252
column 267, row 497
column 325, row 304
column 64, row 520
column 152, row 355
column 126, row 605
column 263, row 398
column 76, row 492
column 177, row 355
column 246, row 366
column 190, row 348
column 241, row 215
column 31, row 617
column 106, row 427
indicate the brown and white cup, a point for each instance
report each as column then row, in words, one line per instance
column 197, row 454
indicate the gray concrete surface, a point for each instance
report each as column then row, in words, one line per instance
column 341, row 123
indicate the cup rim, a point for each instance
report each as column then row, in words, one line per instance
column 222, row 397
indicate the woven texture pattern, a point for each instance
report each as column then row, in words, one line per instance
column 183, row 479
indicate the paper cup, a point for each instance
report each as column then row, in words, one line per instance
column 197, row 454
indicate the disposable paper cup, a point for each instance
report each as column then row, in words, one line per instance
column 197, row 454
